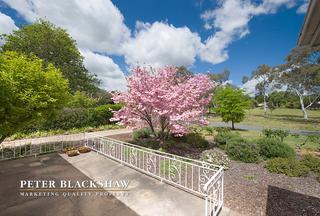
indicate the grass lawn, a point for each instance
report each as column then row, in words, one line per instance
column 281, row 118
column 292, row 140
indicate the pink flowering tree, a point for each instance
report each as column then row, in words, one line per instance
column 163, row 101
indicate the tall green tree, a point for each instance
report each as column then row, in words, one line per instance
column 230, row 104
column 29, row 92
column 301, row 75
column 53, row 45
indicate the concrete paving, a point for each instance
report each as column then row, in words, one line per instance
column 50, row 167
column 147, row 196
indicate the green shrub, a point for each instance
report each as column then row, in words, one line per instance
column 102, row 114
column 240, row 149
column 288, row 166
column 141, row 134
column 208, row 130
column 68, row 118
column 276, row 133
column 194, row 139
column 312, row 162
column 223, row 136
column 271, row 147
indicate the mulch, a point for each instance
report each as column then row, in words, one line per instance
column 251, row 190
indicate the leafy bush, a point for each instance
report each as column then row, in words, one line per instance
column 240, row 149
column 312, row 162
column 102, row 114
column 194, row 139
column 271, row 147
column 81, row 100
column 68, row 118
column 288, row 166
column 141, row 133
column 223, row 136
column 276, row 133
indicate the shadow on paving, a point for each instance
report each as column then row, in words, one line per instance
column 287, row 203
column 50, row 167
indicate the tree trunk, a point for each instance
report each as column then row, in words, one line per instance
column 2, row 138
column 304, row 111
column 264, row 105
column 232, row 125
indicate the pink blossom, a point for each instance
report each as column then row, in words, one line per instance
column 157, row 99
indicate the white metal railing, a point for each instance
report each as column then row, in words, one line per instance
column 19, row 148
column 198, row 177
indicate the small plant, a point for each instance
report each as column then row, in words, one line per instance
column 271, row 147
column 141, row 133
column 223, row 136
column 240, row 149
column 288, row 166
column 209, row 130
column 249, row 177
column 275, row 133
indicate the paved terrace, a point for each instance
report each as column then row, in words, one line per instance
column 147, row 196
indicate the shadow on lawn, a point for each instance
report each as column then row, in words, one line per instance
column 288, row 203
column 291, row 118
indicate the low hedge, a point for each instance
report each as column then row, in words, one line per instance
column 288, row 166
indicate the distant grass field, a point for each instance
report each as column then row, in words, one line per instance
column 292, row 140
column 281, row 118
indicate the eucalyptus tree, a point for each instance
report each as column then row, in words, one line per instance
column 301, row 75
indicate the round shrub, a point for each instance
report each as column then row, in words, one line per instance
column 102, row 114
column 288, row 166
column 240, row 149
column 141, row 134
column 271, row 147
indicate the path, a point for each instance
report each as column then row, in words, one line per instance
column 70, row 137
column 260, row 128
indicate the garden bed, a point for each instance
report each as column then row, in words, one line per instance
column 251, row 190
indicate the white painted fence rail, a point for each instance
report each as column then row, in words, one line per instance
column 198, row 177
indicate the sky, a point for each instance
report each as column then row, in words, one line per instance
column 203, row 35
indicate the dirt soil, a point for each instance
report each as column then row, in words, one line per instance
column 251, row 190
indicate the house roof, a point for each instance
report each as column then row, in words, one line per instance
column 310, row 32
